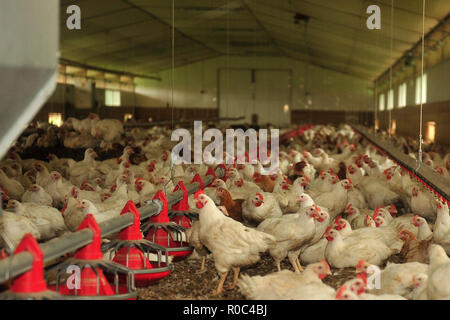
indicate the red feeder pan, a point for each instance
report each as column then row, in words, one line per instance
column 180, row 211
column 30, row 285
column 131, row 251
column 166, row 233
column 90, row 282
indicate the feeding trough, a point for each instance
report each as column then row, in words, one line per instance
column 89, row 281
column 133, row 252
column 166, row 233
column 180, row 213
column 30, row 285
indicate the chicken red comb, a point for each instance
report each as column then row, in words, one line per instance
column 363, row 277
column 377, row 210
column 414, row 219
column 350, row 180
column 137, row 180
column 317, row 208
column 348, row 207
column 360, row 263
column 330, row 170
column 260, row 195
column 340, row 292
column 305, row 153
column 393, row 207
column 198, row 193
column 367, row 219
column 338, row 218
column 306, row 178
column 328, row 230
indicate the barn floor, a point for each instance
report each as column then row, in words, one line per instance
column 185, row 283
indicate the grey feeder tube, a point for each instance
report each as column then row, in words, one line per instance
column 17, row 264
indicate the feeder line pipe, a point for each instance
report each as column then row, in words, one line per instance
column 57, row 247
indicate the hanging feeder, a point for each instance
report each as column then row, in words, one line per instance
column 132, row 251
column 166, row 233
column 180, row 213
column 30, row 285
column 90, row 281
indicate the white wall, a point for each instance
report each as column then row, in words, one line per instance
column 330, row 90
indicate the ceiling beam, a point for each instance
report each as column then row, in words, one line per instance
column 170, row 26
column 266, row 32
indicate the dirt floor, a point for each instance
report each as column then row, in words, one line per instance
column 185, row 282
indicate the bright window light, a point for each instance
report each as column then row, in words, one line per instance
column 286, row 108
column 390, row 102
column 127, row 116
column 422, row 87
column 431, row 131
column 402, row 95
column 112, row 98
column 393, row 126
column 55, row 119
column 381, row 102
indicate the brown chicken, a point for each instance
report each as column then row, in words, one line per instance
column 414, row 250
column 267, row 184
column 233, row 207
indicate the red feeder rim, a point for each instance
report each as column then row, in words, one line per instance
column 160, row 227
column 129, row 251
column 92, row 283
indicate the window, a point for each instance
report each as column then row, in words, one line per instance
column 393, row 127
column 55, row 119
column 431, row 131
column 112, row 98
column 402, row 95
column 381, row 102
column 390, row 99
column 422, row 87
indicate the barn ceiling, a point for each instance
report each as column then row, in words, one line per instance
column 135, row 36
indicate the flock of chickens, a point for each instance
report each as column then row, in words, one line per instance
column 335, row 202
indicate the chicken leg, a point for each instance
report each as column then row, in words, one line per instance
column 235, row 278
column 299, row 265
column 202, row 266
column 219, row 288
column 293, row 261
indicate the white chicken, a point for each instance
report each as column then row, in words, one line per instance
column 438, row 274
column 12, row 229
column 37, row 194
column 259, row 207
column 336, row 200
column 292, row 232
column 347, row 252
column 287, row 285
column 48, row 220
column 441, row 234
column 14, row 187
column 232, row 244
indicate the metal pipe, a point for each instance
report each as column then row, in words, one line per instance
column 425, row 173
column 52, row 249
column 160, row 123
